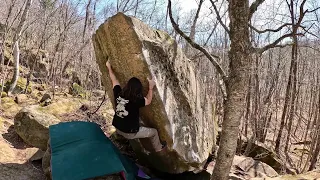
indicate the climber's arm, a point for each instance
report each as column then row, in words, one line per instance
column 113, row 77
column 148, row 98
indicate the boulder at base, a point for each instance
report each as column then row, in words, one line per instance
column 251, row 168
column 182, row 107
column 246, row 168
column 33, row 126
column 263, row 153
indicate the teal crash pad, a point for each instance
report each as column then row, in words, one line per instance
column 80, row 150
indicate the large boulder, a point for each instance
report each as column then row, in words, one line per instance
column 263, row 153
column 246, row 168
column 250, row 168
column 33, row 126
column 182, row 108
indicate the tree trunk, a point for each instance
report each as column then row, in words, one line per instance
column 294, row 89
column 248, row 108
column 193, row 27
column 285, row 109
column 294, row 58
column 316, row 152
column 258, row 130
column 16, row 51
column 16, row 57
column 236, row 85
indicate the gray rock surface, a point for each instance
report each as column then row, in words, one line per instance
column 182, row 108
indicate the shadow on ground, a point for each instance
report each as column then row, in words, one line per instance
column 26, row 171
column 14, row 139
column 204, row 175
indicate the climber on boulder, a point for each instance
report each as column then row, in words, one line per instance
column 127, row 103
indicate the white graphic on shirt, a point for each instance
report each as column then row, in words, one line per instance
column 121, row 109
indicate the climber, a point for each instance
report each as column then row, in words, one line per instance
column 127, row 103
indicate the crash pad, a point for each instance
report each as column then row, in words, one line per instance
column 80, row 150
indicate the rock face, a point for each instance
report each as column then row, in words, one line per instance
column 46, row 161
column 35, row 59
column 181, row 110
column 250, row 168
column 261, row 152
column 33, row 126
column 247, row 168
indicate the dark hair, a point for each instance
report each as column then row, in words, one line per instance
column 133, row 90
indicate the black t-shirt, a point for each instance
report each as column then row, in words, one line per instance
column 126, row 117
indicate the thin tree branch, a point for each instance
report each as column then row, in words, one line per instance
column 302, row 13
column 311, row 11
column 104, row 98
column 193, row 27
column 213, row 30
column 307, row 31
column 254, row 7
column 219, row 17
column 197, row 46
column 275, row 43
column 282, row 46
column 269, row 30
column 294, row 30
column 211, row 57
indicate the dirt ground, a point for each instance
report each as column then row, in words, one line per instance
column 15, row 155
column 17, row 159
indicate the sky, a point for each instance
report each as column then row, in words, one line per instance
column 263, row 18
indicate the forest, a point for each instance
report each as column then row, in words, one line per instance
column 259, row 61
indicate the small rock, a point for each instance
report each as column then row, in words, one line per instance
column 40, row 87
column 84, row 108
column 45, row 97
column 3, row 94
column 21, row 98
column 47, row 102
column 34, row 154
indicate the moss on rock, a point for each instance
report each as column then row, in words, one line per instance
column 20, row 87
column 3, row 94
column 61, row 106
column 33, row 126
column 9, row 107
column 77, row 91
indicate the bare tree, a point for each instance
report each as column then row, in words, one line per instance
column 16, row 51
column 316, row 152
column 291, row 86
column 193, row 26
column 240, row 58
